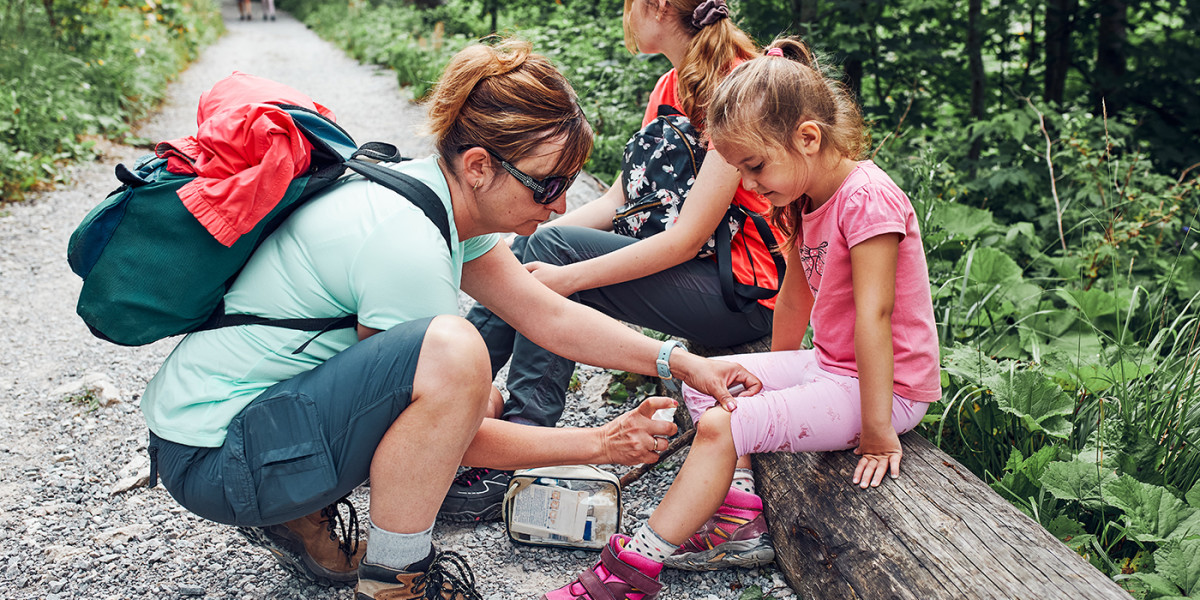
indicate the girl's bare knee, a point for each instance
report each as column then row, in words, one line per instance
column 714, row 426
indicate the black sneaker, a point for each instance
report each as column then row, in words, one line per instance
column 475, row 495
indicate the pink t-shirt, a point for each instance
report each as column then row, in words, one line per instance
column 868, row 204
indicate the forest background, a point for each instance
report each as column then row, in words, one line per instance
column 1050, row 148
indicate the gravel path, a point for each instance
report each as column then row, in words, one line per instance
column 72, row 440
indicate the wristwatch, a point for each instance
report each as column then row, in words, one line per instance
column 664, row 356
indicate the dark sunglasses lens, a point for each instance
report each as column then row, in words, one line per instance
column 555, row 186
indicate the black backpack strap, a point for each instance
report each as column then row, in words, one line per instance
column 409, row 187
column 379, row 151
column 738, row 296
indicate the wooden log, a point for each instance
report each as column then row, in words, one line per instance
column 936, row 532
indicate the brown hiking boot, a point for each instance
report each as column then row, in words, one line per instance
column 439, row 576
column 321, row 547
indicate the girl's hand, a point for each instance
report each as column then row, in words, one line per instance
column 635, row 437
column 880, row 451
column 557, row 278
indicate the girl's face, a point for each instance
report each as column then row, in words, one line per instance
column 779, row 175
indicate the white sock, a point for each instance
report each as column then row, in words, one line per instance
column 743, row 479
column 397, row 550
column 648, row 543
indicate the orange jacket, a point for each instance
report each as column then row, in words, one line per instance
column 245, row 153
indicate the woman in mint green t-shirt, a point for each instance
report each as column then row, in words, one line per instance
column 246, row 430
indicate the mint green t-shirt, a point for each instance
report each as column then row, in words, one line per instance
column 358, row 249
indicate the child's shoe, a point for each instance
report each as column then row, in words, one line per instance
column 734, row 537
column 619, row 574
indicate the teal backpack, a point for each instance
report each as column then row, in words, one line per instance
column 150, row 270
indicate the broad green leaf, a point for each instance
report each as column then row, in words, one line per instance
column 969, row 364
column 1084, row 345
column 962, row 221
column 1034, row 398
column 991, row 266
column 1077, row 480
column 1193, row 495
column 1180, row 563
column 1070, row 531
column 1092, row 303
column 1158, row 587
column 1154, row 513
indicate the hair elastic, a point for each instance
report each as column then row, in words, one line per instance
column 709, row 12
column 775, row 52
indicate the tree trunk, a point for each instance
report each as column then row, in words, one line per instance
column 49, row 4
column 1060, row 23
column 975, row 59
column 804, row 15
column 1110, row 55
column 853, row 76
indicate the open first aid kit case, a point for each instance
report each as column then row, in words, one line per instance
column 575, row 507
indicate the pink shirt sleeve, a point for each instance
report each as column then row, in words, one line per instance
column 871, row 211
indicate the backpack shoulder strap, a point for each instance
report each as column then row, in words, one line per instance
column 411, row 188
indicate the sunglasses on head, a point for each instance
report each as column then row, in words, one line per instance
column 545, row 191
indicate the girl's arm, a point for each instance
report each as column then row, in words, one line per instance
column 710, row 197
column 597, row 214
column 793, row 306
column 873, row 272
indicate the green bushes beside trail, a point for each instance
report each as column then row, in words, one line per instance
column 74, row 69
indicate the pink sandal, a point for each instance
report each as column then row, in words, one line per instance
column 620, row 575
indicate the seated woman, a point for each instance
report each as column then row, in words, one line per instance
column 254, row 427
column 658, row 282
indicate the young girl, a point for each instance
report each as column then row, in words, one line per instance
column 657, row 282
column 858, row 275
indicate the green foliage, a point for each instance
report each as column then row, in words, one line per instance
column 627, row 386
column 97, row 67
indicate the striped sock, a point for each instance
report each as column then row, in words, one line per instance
column 743, row 480
column 648, row 543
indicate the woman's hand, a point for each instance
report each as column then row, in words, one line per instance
column 555, row 277
column 881, row 453
column 714, row 377
column 635, row 437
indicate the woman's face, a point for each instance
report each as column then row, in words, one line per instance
column 511, row 201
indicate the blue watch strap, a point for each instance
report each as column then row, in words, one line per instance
column 664, row 356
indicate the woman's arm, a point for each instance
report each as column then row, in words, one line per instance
column 793, row 306
column 705, row 207
column 597, row 214
column 626, row 440
column 873, row 272
column 498, row 281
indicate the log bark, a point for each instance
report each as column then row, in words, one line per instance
column 937, row 532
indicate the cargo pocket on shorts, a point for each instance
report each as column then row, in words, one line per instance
column 288, row 457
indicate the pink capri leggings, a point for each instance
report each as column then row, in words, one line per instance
column 801, row 408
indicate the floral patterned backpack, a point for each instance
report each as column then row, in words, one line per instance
column 659, row 166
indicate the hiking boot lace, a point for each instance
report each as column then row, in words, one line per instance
column 342, row 529
column 470, row 476
column 448, row 577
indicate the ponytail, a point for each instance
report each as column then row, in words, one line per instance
column 508, row 100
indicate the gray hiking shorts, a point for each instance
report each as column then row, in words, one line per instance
column 303, row 443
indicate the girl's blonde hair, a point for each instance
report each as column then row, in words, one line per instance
column 712, row 52
column 762, row 102
column 508, row 100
